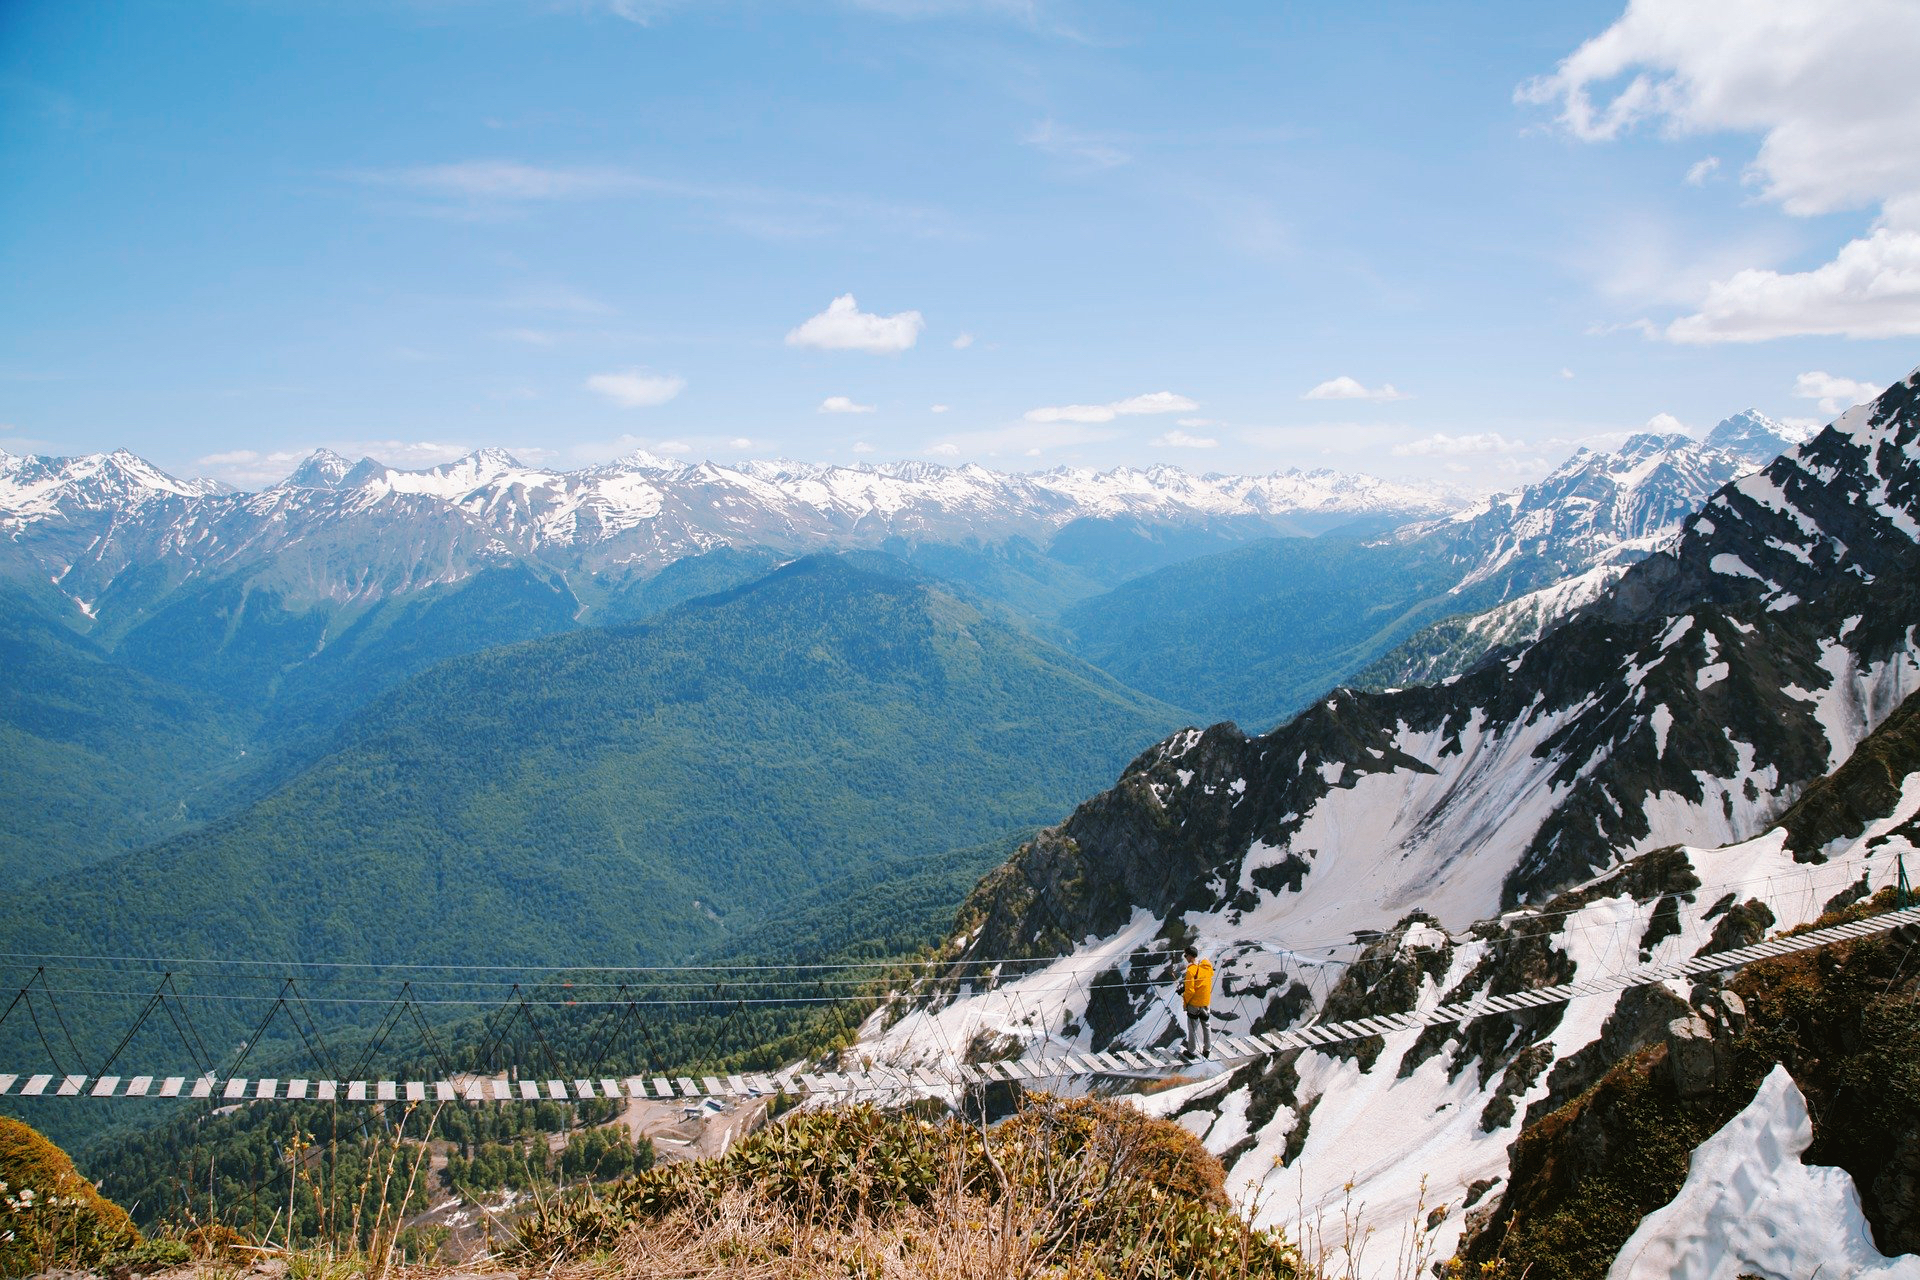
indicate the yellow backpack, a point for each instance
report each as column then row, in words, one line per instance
column 1197, row 990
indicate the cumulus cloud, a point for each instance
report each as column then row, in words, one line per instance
column 861, row 446
column 1152, row 402
column 938, row 408
column 634, row 389
column 1827, row 87
column 1181, row 440
column 844, row 327
column 1870, row 290
column 843, row 404
column 1442, row 445
column 1345, row 388
column 962, row 342
column 945, row 449
column 1836, row 395
column 1700, row 170
column 1667, row 424
column 739, row 442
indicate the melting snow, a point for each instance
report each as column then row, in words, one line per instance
column 1749, row 1206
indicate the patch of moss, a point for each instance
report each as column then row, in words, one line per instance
column 50, row 1216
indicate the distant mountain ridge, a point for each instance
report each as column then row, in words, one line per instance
column 1252, row 633
column 361, row 531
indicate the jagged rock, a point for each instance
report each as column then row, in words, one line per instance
column 1697, row 1059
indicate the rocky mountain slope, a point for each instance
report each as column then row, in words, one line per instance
column 1607, row 794
column 1253, row 633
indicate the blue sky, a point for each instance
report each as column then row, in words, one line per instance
column 1094, row 234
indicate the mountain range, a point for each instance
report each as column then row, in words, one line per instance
column 276, row 616
column 1711, row 745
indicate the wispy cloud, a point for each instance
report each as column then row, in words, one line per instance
column 1442, row 445
column 495, row 188
column 844, row 327
column 634, row 389
column 1836, row 395
column 1345, row 388
column 1181, row 440
column 1152, row 402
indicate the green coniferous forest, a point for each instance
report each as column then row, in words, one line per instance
column 627, row 795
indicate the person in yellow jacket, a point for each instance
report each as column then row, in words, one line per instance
column 1196, row 993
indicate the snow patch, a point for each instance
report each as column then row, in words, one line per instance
column 1749, row 1206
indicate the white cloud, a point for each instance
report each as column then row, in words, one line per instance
column 945, row 449
column 1195, row 422
column 1836, row 395
column 1667, row 424
column 490, row 189
column 1442, row 445
column 1181, row 440
column 1827, row 86
column 739, row 442
column 250, row 468
column 844, row 327
column 1567, row 374
column 843, row 404
column 636, row 390
column 1700, row 170
column 1870, row 290
column 674, row 446
column 861, row 446
column 1152, row 402
column 962, row 342
column 1345, row 388
column 938, row 408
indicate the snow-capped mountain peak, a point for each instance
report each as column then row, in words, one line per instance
column 1754, row 436
column 321, row 469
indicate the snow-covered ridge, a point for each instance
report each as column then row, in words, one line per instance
column 81, row 521
column 1689, row 705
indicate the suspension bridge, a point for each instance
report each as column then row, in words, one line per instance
column 796, row 1081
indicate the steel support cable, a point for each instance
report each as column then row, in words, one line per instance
column 819, row 984
column 381, row 1032
column 61, row 1018
column 316, row 1043
column 132, row 1031
column 252, row 1041
column 1799, row 878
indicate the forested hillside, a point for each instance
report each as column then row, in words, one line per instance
column 99, row 759
column 632, row 794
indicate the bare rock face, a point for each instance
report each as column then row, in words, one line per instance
column 1697, row 1060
